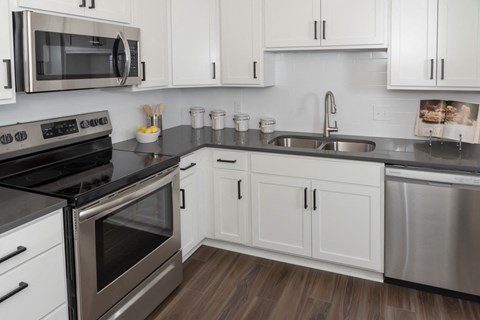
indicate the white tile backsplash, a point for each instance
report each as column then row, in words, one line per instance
column 357, row 78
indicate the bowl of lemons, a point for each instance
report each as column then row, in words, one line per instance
column 147, row 134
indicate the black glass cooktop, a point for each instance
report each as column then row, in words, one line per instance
column 86, row 178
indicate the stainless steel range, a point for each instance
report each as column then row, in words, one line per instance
column 122, row 224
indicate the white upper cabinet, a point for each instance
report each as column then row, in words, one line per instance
column 242, row 56
column 194, row 32
column 435, row 44
column 7, row 92
column 350, row 23
column 292, row 23
column 114, row 10
column 151, row 16
column 325, row 24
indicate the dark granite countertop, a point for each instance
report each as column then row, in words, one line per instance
column 20, row 207
column 182, row 140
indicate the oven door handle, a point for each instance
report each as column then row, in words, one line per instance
column 132, row 194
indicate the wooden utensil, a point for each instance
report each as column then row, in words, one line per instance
column 160, row 109
column 148, row 110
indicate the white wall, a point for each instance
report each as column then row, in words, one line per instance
column 124, row 106
column 358, row 80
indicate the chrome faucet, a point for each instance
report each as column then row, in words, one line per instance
column 329, row 98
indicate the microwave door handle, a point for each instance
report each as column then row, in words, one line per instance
column 128, row 61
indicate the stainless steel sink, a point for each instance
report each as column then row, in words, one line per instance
column 297, row 142
column 340, row 145
column 349, row 146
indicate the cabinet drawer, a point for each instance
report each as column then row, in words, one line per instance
column 46, row 290
column 188, row 165
column 233, row 160
column 35, row 238
column 347, row 171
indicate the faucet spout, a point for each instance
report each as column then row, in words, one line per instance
column 329, row 100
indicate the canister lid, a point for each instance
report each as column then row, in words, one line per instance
column 267, row 121
column 217, row 112
column 241, row 116
column 194, row 110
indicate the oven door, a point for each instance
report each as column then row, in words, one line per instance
column 121, row 239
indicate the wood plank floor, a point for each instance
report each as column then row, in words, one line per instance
column 219, row 284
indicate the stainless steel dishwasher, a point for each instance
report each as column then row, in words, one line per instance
column 432, row 228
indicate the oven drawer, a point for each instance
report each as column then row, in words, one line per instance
column 35, row 238
column 233, row 160
column 46, row 290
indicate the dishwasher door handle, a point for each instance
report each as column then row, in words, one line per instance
column 439, row 184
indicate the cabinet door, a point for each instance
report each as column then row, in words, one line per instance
column 413, row 48
column 241, row 41
column 188, row 206
column 194, row 42
column 75, row 7
column 353, row 22
column 459, row 43
column 7, row 93
column 292, row 23
column 115, row 10
column 281, row 216
column 348, row 224
column 151, row 16
column 231, row 205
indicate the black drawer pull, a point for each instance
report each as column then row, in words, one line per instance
column 22, row 285
column 182, row 191
column 92, row 4
column 305, row 198
column 255, row 70
column 314, row 199
column 188, row 167
column 239, row 184
column 84, row 4
column 19, row 250
column 226, row 161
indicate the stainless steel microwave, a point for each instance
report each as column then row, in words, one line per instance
column 54, row 53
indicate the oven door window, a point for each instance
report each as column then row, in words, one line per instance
column 126, row 236
column 63, row 56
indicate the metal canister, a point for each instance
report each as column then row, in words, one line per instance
column 267, row 125
column 218, row 119
column 241, row 121
column 196, row 116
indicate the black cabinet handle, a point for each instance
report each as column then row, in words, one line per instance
column 314, row 199
column 305, row 198
column 144, row 71
column 239, row 185
column 84, row 4
column 315, row 30
column 19, row 250
column 9, row 74
column 214, row 71
column 443, row 69
column 226, row 161
column 22, row 285
column 432, row 61
column 324, row 27
column 182, row 191
column 254, row 69
column 188, row 167
column 92, row 4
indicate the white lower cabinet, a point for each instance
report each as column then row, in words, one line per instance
column 231, row 205
column 280, row 219
column 188, row 202
column 346, row 224
column 331, row 210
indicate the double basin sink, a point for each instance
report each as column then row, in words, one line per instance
column 343, row 145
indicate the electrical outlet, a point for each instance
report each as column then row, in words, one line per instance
column 381, row 113
column 237, row 106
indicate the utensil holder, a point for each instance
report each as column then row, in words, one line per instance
column 155, row 121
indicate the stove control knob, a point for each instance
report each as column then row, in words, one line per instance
column 103, row 121
column 94, row 122
column 6, row 138
column 21, row 136
column 84, row 124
